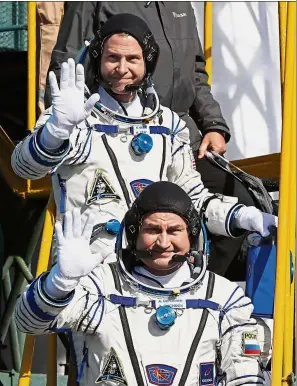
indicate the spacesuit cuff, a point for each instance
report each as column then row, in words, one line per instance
column 218, row 214
column 43, row 155
column 231, row 227
column 57, row 288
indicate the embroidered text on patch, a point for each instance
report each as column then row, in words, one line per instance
column 139, row 185
column 206, row 376
column 101, row 188
column 160, row 374
column 250, row 343
column 179, row 14
column 113, row 370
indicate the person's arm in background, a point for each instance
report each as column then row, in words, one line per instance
column 78, row 24
column 205, row 110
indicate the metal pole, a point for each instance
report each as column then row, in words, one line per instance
column 31, row 113
column 282, row 246
column 282, row 17
column 208, row 39
column 15, row 348
column 16, row 289
column 42, row 265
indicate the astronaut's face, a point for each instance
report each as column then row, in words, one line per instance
column 165, row 234
column 122, row 64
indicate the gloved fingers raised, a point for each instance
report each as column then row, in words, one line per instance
column 88, row 228
column 76, row 216
column 80, row 76
column 64, row 76
column 55, row 91
column 59, row 233
column 68, row 225
column 90, row 103
column 71, row 80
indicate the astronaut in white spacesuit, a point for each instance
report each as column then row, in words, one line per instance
column 104, row 150
column 156, row 316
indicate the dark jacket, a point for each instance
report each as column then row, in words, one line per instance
column 180, row 78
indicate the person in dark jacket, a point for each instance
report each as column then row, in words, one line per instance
column 181, row 82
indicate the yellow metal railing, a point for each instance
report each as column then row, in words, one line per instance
column 208, row 39
column 282, row 356
column 43, row 264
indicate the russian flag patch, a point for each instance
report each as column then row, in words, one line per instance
column 250, row 342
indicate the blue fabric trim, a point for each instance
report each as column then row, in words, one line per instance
column 59, row 152
column 178, row 149
column 37, row 158
column 27, row 323
column 230, row 305
column 246, row 376
column 31, row 314
column 176, row 127
column 172, row 122
column 238, row 325
column 47, row 299
column 179, row 131
column 98, row 305
column 230, row 229
column 230, row 297
column 129, row 301
column 85, row 145
column 112, row 129
column 33, row 305
column 194, row 187
column 21, row 162
column 126, row 301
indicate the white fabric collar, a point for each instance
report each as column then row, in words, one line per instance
column 172, row 280
column 133, row 108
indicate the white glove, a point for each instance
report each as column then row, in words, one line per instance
column 69, row 108
column 74, row 257
column 252, row 219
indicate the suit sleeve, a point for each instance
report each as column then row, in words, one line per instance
column 240, row 347
column 38, row 313
column 205, row 110
column 30, row 160
column 216, row 209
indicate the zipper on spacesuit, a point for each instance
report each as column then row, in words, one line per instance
column 84, row 362
column 63, row 194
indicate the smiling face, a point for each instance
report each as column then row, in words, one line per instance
column 122, row 64
column 165, row 234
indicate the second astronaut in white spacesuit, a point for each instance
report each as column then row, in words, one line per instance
column 103, row 151
column 157, row 316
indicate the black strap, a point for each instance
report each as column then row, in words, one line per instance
column 115, row 165
column 126, row 329
column 163, row 157
column 196, row 340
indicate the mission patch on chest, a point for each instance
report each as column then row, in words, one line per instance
column 101, row 188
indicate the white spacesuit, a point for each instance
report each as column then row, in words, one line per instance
column 191, row 328
column 102, row 153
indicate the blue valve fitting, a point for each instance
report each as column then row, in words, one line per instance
column 165, row 317
column 112, row 226
column 142, row 144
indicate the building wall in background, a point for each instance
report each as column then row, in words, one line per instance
column 246, row 74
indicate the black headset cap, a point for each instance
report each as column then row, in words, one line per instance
column 134, row 26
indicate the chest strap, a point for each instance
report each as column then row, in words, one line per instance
column 128, row 336
column 129, row 301
column 113, row 129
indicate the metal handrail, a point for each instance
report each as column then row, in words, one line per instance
column 208, row 39
column 288, row 150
